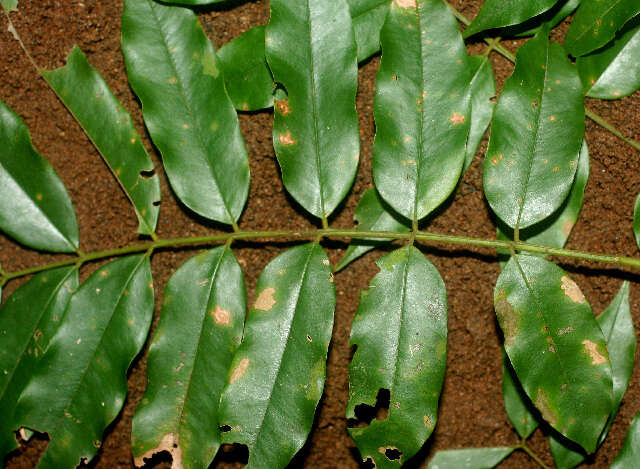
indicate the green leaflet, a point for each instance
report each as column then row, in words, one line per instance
column 483, row 88
column 548, row 325
column 35, row 208
column 278, row 371
column 173, row 69
column 9, row 5
column 422, row 107
column 536, row 133
column 613, row 71
column 497, row 13
column 371, row 214
column 80, row 384
column 246, row 74
column 368, row 17
column 28, row 320
column 200, row 326
column 550, row 18
column 516, row 404
column 400, row 331
column 566, row 454
column 629, row 455
column 596, row 23
column 312, row 53
column 469, row 458
column 555, row 230
column 109, row 126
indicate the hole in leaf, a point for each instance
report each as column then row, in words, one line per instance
column 225, row 428
column 155, row 203
column 234, row 453
column 148, row 173
column 493, row 99
column 366, row 413
column 393, row 454
column 368, row 464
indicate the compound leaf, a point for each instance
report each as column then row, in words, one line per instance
column 312, row 53
column 497, row 13
column 422, row 107
column 548, row 324
column 613, row 71
column 246, row 74
column 368, row 17
column 516, row 402
column 483, row 88
column 28, row 320
column 374, row 215
column 35, row 208
column 80, row 384
column 400, row 331
column 278, row 371
column 109, row 126
column 173, row 69
column 188, row 363
column 469, row 458
column 596, row 23
column 537, row 132
column 629, row 455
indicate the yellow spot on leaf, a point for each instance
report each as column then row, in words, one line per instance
column 542, row 403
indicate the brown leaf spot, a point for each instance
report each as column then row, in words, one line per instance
column 567, row 226
column 571, row 290
column 456, row 118
column 427, row 422
column 265, row 300
column 221, row 316
column 542, row 404
column 169, row 443
column 405, row 3
column 282, row 105
column 509, row 320
column 566, row 330
column 592, row 348
column 239, row 371
column 286, row 138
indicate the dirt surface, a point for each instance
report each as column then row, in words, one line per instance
column 472, row 412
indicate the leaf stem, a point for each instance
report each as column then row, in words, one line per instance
column 424, row 236
column 494, row 43
column 523, row 446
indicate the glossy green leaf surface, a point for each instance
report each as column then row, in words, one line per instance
column 548, row 325
column 200, row 327
column 400, row 331
column 80, row 384
column 596, row 23
column 469, row 458
column 311, row 51
column 536, row 134
column 554, row 231
column 246, row 74
column 278, row 372
column 109, row 126
column 28, row 320
column 35, row 208
column 613, row 71
column 550, row 18
column 516, row 402
column 483, row 88
column 372, row 214
column 629, row 455
column 497, row 13
column 173, row 69
column 566, row 454
column 422, row 107
column 368, row 17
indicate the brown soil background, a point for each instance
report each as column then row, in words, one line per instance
column 472, row 412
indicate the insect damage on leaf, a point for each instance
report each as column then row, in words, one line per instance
column 169, row 443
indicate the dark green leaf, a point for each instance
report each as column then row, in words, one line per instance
column 536, row 134
column 550, row 18
column 246, row 74
column 422, row 107
column 613, row 71
column 471, row 458
column 596, row 23
column 555, row 230
column 548, row 325
column 35, row 208
column 109, row 126
column 566, row 454
column 400, row 331
column 497, row 13
column 278, row 371
column 368, row 17
column 312, row 54
column 28, row 320
column 173, row 69
column 200, row 327
column 516, row 402
column 80, row 384
column 629, row 456
column 483, row 88
column 371, row 214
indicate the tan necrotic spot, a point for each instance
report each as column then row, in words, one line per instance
column 571, row 290
column 542, row 404
column 405, row 3
column 286, row 138
column 592, row 349
column 283, row 106
column 221, row 316
column 239, row 371
column 509, row 320
column 265, row 300
column 456, row 118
